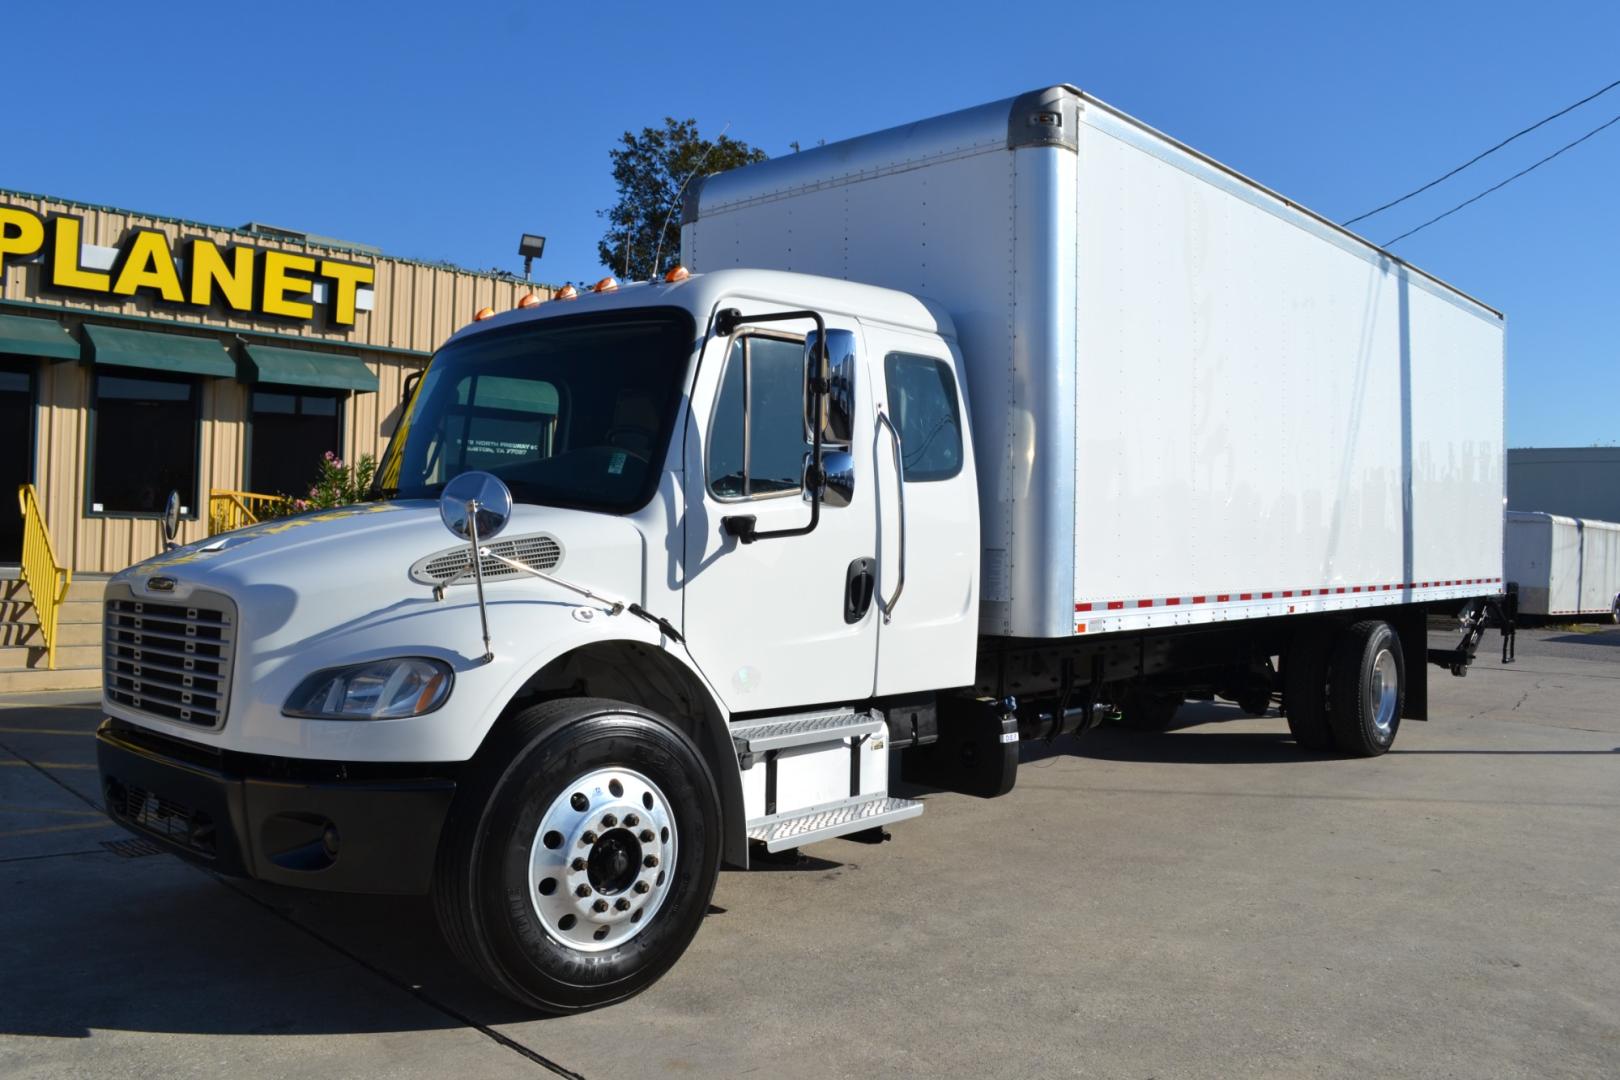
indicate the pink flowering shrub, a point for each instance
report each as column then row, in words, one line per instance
column 337, row 484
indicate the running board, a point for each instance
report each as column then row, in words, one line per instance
column 804, row 729
column 823, row 823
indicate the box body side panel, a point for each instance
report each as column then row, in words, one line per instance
column 1269, row 421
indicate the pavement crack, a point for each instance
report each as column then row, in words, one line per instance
column 415, row 991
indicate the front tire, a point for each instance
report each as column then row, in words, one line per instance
column 580, row 855
column 1368, row 689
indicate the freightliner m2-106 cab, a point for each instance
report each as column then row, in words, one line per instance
column 975, row 431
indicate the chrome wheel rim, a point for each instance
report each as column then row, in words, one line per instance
column 1385, row 691
column 603, row 859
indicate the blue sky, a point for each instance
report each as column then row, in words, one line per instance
column 443, row 131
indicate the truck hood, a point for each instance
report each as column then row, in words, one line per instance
column 315, row 572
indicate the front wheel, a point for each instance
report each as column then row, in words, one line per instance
column 580, row 856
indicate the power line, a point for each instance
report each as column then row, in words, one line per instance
column 1505, row 183
column 1486, row 153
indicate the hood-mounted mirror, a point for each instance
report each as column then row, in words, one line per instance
column 476, row 506
column 171, row 520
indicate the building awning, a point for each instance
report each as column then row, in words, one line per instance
column 158, row 352
column 302, row 367
column 25, row 336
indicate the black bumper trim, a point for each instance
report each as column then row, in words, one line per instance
column 372, row 835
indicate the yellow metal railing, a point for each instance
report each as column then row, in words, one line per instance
column 47, row 579
column 229, row 510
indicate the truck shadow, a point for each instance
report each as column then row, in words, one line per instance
column 1596, row 637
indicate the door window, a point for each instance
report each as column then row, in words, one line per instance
column 756, row 442
column 146, row 432
column 292, row 429
column 922, row 400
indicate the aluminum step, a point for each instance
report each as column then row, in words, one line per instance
column 824, row 823
column 803, row 729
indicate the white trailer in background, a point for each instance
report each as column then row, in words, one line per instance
column 1564, row 567
column 983, row 429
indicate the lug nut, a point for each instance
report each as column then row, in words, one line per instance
column 650, row 860
column 600, row 906
column 631, row 821
column 609, row 820
column 578, row 864
column 642, row 886
column 622, row 904
column 583, row 890
column 588, row 838
column 648, row 836
column 579, row 802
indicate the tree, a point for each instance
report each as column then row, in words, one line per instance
column 649, row 170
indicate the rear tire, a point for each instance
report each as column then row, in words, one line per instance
column 1368, row 690
column 529, row 830
column 1305, row 690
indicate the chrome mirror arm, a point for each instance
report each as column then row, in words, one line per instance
column 478, row 574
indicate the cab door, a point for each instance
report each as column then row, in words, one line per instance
column 769, row 623
column 928, row 547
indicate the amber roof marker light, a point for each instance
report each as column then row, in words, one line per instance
column 607, row 284
column 567, row 292
column 529, row 300
column 483, row 313
column 677, row 273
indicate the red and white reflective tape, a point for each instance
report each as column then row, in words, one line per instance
column 1275, row 594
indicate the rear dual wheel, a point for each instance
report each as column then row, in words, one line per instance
column 580, row 855
column 1345, row 689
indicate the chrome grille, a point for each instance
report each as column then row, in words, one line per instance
column 169, row 660
column 541, row 551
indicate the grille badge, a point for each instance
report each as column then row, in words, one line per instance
column 160, row 584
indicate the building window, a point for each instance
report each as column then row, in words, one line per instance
column 291, row 431
column 145, row 433
column 16, row 450
column 922, row 398
column 759, row 449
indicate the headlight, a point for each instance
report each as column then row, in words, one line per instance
column 380, row 690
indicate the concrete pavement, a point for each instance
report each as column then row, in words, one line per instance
column 1210, row 902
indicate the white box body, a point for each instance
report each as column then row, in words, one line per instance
column 1563, row 565
column 1191, row 400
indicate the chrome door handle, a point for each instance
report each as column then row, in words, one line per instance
column 887, row 606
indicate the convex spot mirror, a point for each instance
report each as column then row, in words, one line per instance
column 475, row 490
column 837, row 480
column 839, row 426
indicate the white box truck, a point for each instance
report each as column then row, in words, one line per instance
column 1565, row 567
column 974, row 431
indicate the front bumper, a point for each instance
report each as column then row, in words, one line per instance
column 312, row 825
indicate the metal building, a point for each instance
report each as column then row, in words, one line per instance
column 1574, row 481
column 142, row 354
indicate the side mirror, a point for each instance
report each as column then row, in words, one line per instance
column 475, row 501
column 836, row 481
column 839, row 427
column 171, row 519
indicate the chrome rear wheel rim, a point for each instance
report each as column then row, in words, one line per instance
column 1385, row 691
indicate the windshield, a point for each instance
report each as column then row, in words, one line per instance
column 571, row 411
